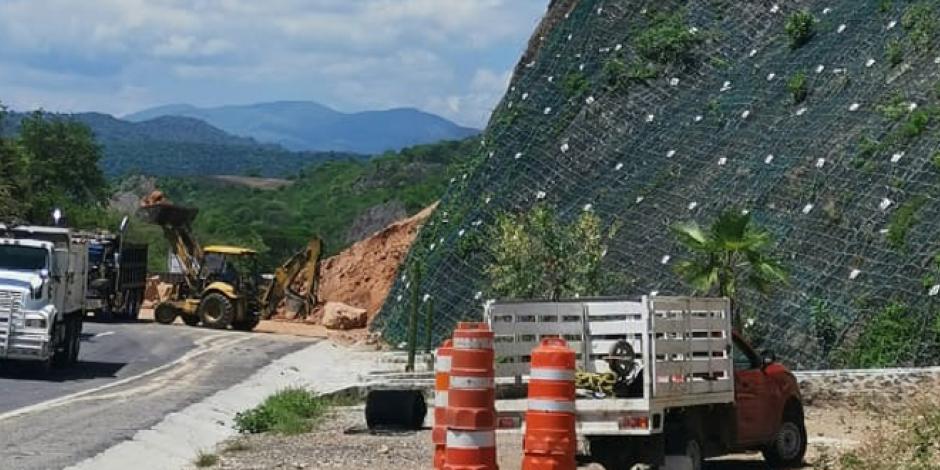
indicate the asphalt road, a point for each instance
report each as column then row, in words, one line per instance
column 130, row 376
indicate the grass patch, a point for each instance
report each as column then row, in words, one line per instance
column 915, row 445
column 797, row 87
column 902, row 221
column 886, row 340
column 575, row 85
column 236, row 445
column 800, row 27
column 894, row 52
column 916, row 124
column 290, row 411
column 206, row 459
column 895, row 108
column 921, row 22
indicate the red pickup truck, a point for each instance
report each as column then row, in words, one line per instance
column 685, row 387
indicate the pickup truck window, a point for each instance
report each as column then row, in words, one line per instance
column 742, row 358
column 22, row 258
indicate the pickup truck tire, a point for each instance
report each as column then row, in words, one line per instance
column 216, row 311
column 788, row 446
column 165, row 314
column 689, row 447
column 613, row 453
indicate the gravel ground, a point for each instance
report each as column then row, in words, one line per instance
column 341, row 442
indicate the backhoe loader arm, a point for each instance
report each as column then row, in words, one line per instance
column 176, row 223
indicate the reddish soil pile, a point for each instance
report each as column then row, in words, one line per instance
column 363, row 274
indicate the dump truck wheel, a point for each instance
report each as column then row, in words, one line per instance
column 190, row 320
column 165, row 314
column 247, row 325
column 216, row 311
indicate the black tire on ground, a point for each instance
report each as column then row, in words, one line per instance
column 247, row 325
column 395, row 409
column 611, row 453
column 63, row 346
column 789, row 444
column 216, row 311
column 690, row 447
column 190, row 320
column 76, row 346
column 165, row 314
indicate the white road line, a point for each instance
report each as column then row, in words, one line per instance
column 103, row 334
column 200, row 350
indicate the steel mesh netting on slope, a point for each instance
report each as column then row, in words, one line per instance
column 846, row 180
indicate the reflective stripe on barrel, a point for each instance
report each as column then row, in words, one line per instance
column 471, row 439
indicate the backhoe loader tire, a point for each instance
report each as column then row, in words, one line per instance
column 216, row 311
column 190, row 320
column 165, row 314
column 248, row 324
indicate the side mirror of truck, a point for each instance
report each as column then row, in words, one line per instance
column 768, row 358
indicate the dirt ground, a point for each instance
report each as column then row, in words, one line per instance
column 341, row 442
column 268, row 326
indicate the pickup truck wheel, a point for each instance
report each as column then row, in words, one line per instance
column 789, row 444
column 165, row 314
column 691, row 449
column 612, row 453
column 216, row 311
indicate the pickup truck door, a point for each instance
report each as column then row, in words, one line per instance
column 754, row 400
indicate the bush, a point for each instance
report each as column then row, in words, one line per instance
column 916, row 124
column 921, row 23
column 289, row 411
column 206, row 459
column 668, row 38
column 575, row 85
column 797, row 87
column 800, row 27
column 538, row 256
column 888, row 339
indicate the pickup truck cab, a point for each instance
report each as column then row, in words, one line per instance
column 681, row 386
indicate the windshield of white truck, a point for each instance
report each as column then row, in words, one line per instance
column 22, row 258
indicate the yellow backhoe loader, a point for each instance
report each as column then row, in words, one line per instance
column 221, row 285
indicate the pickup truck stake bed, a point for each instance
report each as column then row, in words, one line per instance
column 686, row 385
column 43, row 281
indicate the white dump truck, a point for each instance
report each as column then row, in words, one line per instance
column 43, row 282
column 660, row 379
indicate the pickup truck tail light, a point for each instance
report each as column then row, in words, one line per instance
column 634, row 421
column 509, row 421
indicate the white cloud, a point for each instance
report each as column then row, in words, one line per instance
column 437, row 54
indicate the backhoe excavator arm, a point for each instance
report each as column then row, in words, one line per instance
column 176, row 223
column 296, row 281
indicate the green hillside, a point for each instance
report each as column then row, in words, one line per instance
column 819, row 118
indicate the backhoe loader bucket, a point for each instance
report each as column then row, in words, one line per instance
column 168, row 215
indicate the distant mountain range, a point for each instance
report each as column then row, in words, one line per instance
column 309, row 126
column 183, row 146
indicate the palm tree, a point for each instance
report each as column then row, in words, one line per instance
column 732, row 253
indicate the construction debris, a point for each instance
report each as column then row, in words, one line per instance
column 339, row 316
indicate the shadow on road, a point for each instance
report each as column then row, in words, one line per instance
column 736, row 465
column 83, row 370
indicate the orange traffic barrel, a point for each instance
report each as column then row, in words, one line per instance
column 441, row 384
column 471, row 400
column 550, row 442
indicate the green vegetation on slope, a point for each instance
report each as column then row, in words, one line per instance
column 290, row 411
column 324, row 200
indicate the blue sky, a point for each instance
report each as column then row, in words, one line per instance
column 450, row 57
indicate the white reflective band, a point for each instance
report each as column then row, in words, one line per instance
column 552, row 374
column 552, row 405
column 440, row 399
column 471, row 439
column 471, row 382
column 473, row 343
column 442, row 364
